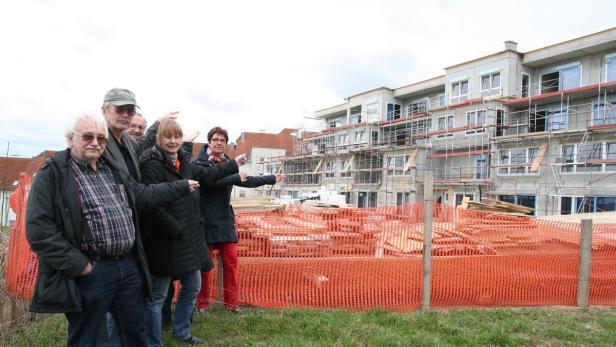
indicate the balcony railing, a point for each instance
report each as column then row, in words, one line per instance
column 457, row 174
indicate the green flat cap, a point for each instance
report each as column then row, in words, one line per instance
column 120, row 96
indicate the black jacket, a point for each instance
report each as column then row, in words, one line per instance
column 54, row 226
column 173, row 237
column 217, row 213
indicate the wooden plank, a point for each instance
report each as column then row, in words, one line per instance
column 537, row 161
column 411, row 161
column 316, row 169
column 280, row 168
column 348, row 165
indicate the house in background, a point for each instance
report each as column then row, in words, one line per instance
column 10, row 170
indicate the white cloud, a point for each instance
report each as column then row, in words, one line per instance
column 245, row 65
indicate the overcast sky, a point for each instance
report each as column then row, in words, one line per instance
column 246, row 65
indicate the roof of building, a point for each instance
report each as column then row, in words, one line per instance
column 12, row 167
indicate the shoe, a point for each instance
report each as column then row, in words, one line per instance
column 235, row 310
column 191, row 340
column 203, row 310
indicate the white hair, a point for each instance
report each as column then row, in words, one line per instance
column 89, row 118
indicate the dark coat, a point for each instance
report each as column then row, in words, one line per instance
column 217, row 213
column 54, row 226
column 135, row 148
column 174, row 241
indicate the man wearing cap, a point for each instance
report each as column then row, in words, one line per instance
column 119, row 107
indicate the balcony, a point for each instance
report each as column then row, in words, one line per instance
column 461, row 174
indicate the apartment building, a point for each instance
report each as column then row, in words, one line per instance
column 534, row 128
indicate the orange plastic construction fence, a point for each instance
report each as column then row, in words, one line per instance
column 372, row 258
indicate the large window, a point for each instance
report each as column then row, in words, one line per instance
column 360, row 136
column 610, row 68
column 516, row 161
column 579, row 204
column 396, row 165
column 356, row 118
column 372, row 108
column 445, row 123
column 604, row 111
column 343, row 139
column 417, row 107
column 557, row 119
column 565, row 77
column 393, row 111
column 335, row 123
column 491, row 84
column 343, row 164
column 523, row 200
column 437, row 101
column 459, row 91
column 588, row 157
column 329, row 169
column 476, row 118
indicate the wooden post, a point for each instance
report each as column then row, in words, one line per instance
column 219, row 296
column 583, row 289
column 427, row 241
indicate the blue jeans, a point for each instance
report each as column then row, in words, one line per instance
column 190, row 286
column 112, row 286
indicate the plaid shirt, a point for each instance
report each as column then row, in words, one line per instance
column 106, row 210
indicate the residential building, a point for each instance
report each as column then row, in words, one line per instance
column 536, row 128
column 10, row 170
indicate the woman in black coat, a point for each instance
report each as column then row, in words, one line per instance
column 218, row 217
column 173, row 239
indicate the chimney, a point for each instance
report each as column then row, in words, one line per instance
column 511, row 45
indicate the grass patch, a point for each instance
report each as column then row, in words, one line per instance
column 552, row 326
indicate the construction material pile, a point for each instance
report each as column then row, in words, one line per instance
column 260, row 203
column 493, row 205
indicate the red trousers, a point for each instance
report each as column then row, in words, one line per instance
column 228, row 253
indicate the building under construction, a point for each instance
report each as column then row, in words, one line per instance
column 536, row 128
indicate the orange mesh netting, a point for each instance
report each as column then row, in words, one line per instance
column 21, row 264
column 371, row 258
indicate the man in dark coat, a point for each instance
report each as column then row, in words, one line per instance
column 81, row 221
column 218, row 217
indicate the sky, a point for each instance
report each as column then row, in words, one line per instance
column 246, row 66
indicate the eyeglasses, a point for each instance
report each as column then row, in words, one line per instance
column 218, row 139
column 128, row 109
column 101, row 139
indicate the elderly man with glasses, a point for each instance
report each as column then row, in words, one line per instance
column 81, row 221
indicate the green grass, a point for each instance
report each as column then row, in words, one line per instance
column 553, row 326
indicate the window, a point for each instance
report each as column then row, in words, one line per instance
column 343, row 164
column 403, row 198
column 437, row 101
column 566, row 77
column 421, row 126
column 588, row 157
column 335, row 123
column 586, row 204
column 604, row 112
column 610, row 68
column 490, row 84
column 557, row 119
column 329, row 169
column 417, row 107
column 516, row 161
column 475, row 118
column 445, row 123
column 360, row 136
column 522, row 200
column 459, row 91
column 525, row 85
column 356, row 118
column 393, row 111
column 396, row 165
column 343, row 139
column 372, row 108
